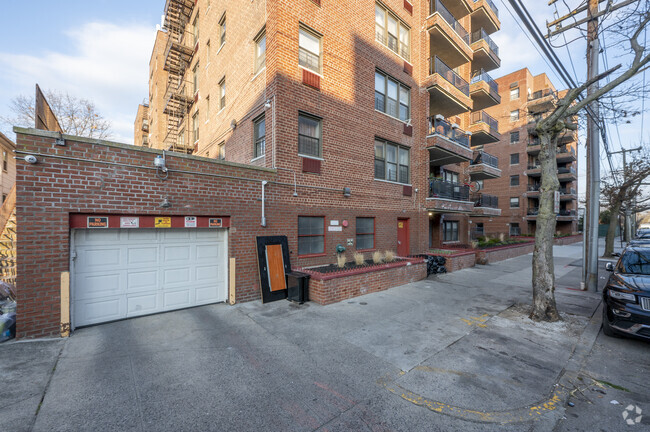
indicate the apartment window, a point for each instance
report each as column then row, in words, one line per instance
column 309, row 135
column 514, row 229
column 221, row 150
column 260, row 52
column 207, row 108
column 259, row 127
column 311, row 235
column 181, row 139
column 195, row 127
column 514, row 180
column 514, row 137
column 392, row 32
column 222, row 93
column 207, row 53
column 195, row 78
column 450, row 231
column 309, row 52
column 392, row 97
column 365, row 233
column 514, row 93
column 514, row 202
column 222, row 29
column 514, row 159
column 392, row 162
column 195, row 28
column 4, row 198
column 514, row 115
column 450, row 177
column 5, row 162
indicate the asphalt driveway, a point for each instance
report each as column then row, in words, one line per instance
column 453, row 352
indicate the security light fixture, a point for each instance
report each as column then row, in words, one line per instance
column 347, row 192
column 267, row 104
column 165, row 203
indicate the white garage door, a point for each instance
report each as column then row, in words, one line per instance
column 121, row 273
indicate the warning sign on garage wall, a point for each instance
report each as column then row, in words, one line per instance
column 163, row 222
column 190, row 221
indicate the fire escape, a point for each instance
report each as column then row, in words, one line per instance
column 178, row 56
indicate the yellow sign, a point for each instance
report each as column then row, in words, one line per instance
column 163, row 222
column 400, row 224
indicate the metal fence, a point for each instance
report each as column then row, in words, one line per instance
column 437, row 66
column 437, row 6
column 442, row 127
column 442, row 189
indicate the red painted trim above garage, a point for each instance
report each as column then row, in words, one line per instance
column 146, row 221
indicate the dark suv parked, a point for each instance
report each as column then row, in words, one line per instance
column 626, row 296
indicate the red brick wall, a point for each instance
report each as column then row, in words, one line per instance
column 334, row 290
column 487, row 256
column 119, row 179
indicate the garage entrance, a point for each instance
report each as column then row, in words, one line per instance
column 123, row 273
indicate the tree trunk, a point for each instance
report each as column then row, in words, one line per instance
column 544, row 308
column 611, row 230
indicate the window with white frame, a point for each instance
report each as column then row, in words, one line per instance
column 514, row 137
column 514, row 93
column 392, row 97
column 195, row 29
column 260, row 52
column 195, row 78
column 195, row 127
column 514, row 202
column 392, row 162
column 222, row 93
column 222, row 29
column 514, row 115
column 392, row 32
column 309, row 50
column 221, row 151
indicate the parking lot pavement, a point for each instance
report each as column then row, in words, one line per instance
column 454, row 352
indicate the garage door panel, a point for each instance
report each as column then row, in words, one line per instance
column 142, row 304
column 176, row 299
column 142, row 256
column 129, row 272
column 176, row 253
column 211, row 251
column 107, row 309
column 138, row 235
column 146, row 280
column 92, row 286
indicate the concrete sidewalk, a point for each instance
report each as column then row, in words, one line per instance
column 454, row 352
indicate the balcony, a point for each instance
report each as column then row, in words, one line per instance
column 486, row 15
column 460, row 8
column 533, row 146
column 447, row 143
column 532, row 190
column 448, row 197
column 177, row 98
column 567, row 136
column 449, row 39
column 448, row 92
column 484, row 128
column 565, row 154
column 542, row 101
column 534, row 170
column 485, row 205
column 568, row 194
column 484, row 166
column 567, row 215
column 484, row 91
column 486, row 52
column 565, row 174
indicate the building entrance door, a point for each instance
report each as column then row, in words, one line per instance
column 403, row 237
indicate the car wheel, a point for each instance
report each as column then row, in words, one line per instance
column 607, row 329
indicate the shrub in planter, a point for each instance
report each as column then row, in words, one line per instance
column 359, row 259
column 389, row 256
column 340, row 260
column 377, row 257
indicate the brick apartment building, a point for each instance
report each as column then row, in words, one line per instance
column 289, row 86
column 328, row 122
column 525, row 98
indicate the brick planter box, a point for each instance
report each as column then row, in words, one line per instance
column 560, row 241
column 487, row 256
column 458, row 260
column 328, row 288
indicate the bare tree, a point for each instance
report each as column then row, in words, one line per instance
column 631, row 26
column 625, row 192
column 76, row 116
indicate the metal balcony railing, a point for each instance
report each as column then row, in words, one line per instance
column 484, row 76
column 437, row 6
column 485, row 200
column 437, row 66
column 492, row 6
column 439, row 126
column 442, row 189
column 532, row 166
column 534, row 187
column 532, row 141
column 483, row 117
column 482, row 35
column 566, row 170
column 565, row 150
column 567, row 191
column 532, row 211
column 567, row 213
column 485, row 158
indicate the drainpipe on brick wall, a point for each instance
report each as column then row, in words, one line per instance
column 263, row 222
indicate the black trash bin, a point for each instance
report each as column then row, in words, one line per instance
column 298, row 287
